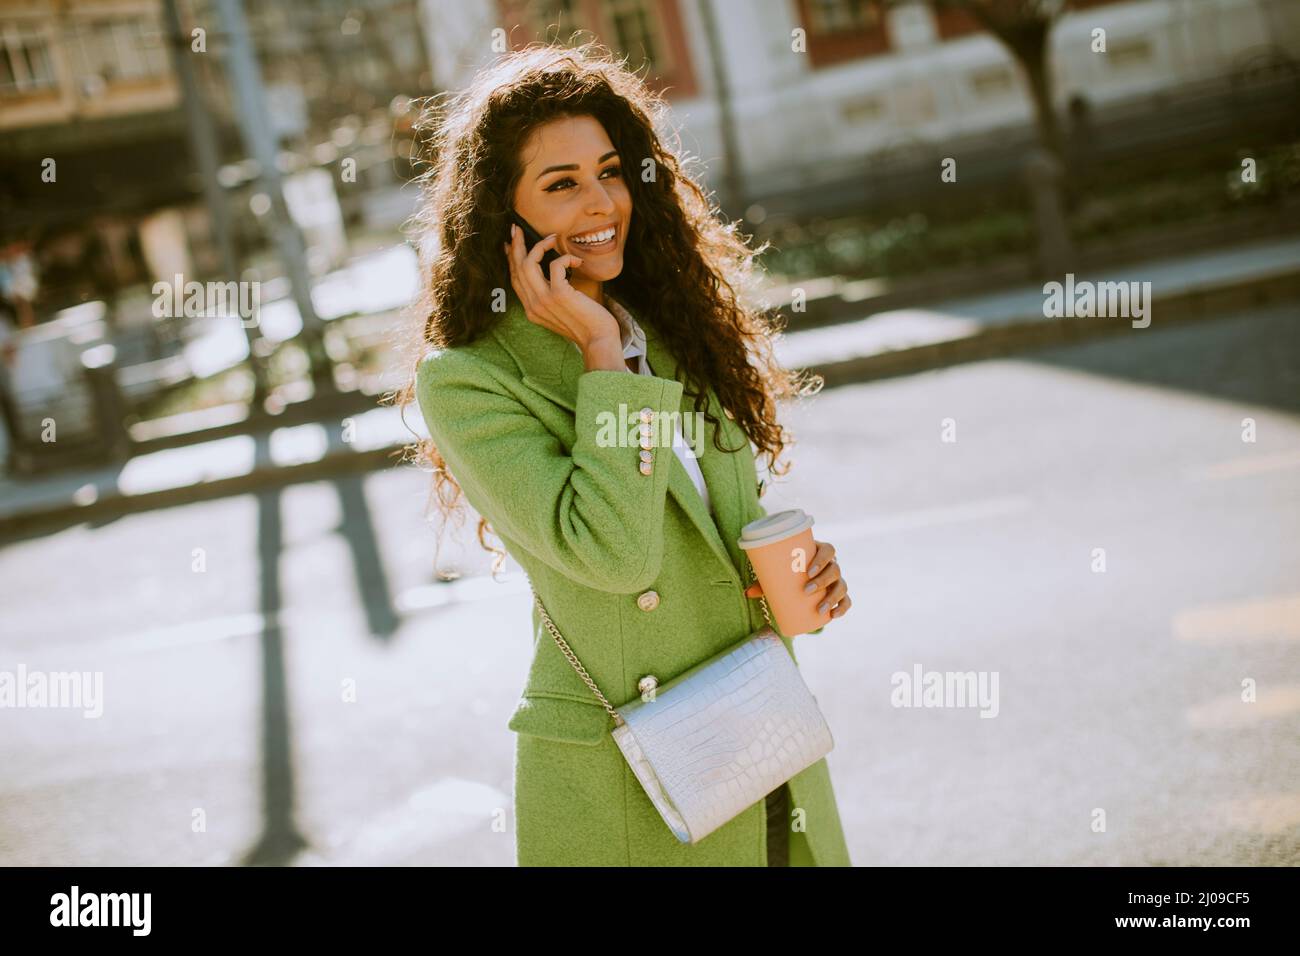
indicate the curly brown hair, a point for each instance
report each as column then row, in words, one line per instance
column 686, row 271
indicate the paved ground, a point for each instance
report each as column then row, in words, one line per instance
column 232, row 634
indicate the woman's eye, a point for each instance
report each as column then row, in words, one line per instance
column 567, row 183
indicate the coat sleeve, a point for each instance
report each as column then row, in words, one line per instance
column 591, row 515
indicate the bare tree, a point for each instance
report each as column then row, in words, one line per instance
column 1023, row 27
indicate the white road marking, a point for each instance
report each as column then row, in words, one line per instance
column 1243, row 466
column 1240, row 622
column 1229, row 710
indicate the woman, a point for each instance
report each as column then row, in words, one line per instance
column 631, row 549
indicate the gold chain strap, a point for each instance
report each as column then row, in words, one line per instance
column 582, row 671
column 577, row 665
column 762, row 598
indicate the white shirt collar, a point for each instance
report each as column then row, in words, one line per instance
column 633, row 336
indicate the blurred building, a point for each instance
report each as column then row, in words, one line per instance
column 829, row 104
column 93, row 139
column 873, row 80
column 96, row 169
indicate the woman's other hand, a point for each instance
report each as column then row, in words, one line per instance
column 823, row 575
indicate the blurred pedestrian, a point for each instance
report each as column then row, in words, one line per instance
column 17, row 292
column 18, row 282
column 10, row 435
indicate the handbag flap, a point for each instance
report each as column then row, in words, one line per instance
column 724, row 734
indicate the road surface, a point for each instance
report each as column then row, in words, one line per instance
column 285, row 680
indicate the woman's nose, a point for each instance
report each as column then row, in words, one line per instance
column 599, row 202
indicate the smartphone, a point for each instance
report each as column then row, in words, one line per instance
column 531, row 238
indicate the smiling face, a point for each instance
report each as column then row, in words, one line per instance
column 573, row 185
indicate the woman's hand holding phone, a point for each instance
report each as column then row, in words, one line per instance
column 557, row 306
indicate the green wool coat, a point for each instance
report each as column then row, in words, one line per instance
column 526, row 432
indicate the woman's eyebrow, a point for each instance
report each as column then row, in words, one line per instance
column 556, row 169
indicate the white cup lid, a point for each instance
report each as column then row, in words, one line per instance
column 774, row 527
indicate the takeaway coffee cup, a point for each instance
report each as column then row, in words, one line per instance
column 780, row 547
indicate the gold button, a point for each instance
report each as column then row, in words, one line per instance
column 647, row 414
column 647, row 455
column 646, row 468
column 648, row 601
column 648, row 683
column 647, row 442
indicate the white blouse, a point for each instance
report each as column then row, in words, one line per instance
column 634, row 347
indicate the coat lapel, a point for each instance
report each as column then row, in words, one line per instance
column 552, row 364
column 719, row 469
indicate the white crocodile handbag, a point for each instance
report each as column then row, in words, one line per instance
column 721, row 736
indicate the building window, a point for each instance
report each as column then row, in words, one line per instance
column 991, row 82
column 648, row 32
column 556, row 21
column 126, row 49
column 842, row 16
column 1124, row 54
column 867, row 109
column 24, row 60
column 840, row 30
column 634, row 30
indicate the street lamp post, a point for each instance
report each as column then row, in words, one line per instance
column 261, row 141
column 206, row 150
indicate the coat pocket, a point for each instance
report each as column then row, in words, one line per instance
column 560, row 717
